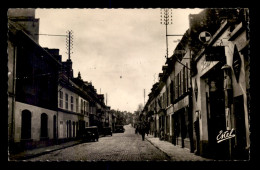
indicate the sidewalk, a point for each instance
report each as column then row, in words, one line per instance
column 40, row 151
column 176, row 153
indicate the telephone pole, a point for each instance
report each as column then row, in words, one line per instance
column 69, row 43
column 166, row 19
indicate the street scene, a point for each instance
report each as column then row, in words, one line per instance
column 126, row 146
column 128, row 84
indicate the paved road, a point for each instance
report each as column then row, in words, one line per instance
column 126, row 146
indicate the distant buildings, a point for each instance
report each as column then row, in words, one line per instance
column 46, row 104
column 206, row 80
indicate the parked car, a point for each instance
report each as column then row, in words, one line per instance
column 107, row 131
column 119, row 128
column 90, row 133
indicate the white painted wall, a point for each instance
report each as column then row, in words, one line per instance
column 35, row 121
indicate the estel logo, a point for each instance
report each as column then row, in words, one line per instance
column 225, row 135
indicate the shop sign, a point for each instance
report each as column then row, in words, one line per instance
column 181, row 104
column 204, row 36
column 216, row 53
column 236, row 63
column 207, row 65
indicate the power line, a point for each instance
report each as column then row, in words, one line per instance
column 51, row 35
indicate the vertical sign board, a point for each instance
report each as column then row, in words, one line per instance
column 236, row 63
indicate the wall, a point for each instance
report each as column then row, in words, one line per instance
column 35, row 121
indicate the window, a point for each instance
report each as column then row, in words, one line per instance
column 66, row 101
column 71, row 103
column 181, row 83
column 87, row 108
column 61, row 99
column 184, row 80
column 172, row 92
column 77, row 105
column 176, row 87
column 81, row 106
column 84, row 107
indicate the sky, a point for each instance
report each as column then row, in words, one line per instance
column 121, row 51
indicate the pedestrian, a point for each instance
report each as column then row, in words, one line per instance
column 142, row 131
column 197, row 133
column 161, row 134
column 147, row 129
column 143, row 134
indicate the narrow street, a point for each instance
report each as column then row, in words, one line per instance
column 126, row 146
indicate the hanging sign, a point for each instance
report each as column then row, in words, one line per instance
column 204, row 36
column 236, row 63
column 215, row 53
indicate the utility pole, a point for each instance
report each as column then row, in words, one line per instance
column 166, row 19
column 69, row 42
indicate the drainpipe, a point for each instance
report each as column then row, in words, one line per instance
column 228, row 100
column 13, row 95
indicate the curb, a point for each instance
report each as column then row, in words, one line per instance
column 168, row 156
column 24, row 157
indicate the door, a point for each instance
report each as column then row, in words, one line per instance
column 217, row 116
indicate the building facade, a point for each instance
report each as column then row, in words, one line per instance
column 203, row 91
column 221, row 87
column 32, row 85
column 46, row 104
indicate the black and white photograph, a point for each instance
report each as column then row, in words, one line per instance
column 128, row 84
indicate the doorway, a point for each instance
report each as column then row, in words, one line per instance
column 216, row 114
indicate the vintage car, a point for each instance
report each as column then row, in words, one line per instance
column 119, row 128
column 107, row 131
column 90, row 133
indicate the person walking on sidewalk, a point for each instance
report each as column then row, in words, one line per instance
column 142, row 131
column 197, row 133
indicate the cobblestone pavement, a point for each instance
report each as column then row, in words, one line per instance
column 126, row 146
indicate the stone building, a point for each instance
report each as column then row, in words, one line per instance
column 32, row 88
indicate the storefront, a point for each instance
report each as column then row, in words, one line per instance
column 220, row 98
column 181, row 123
